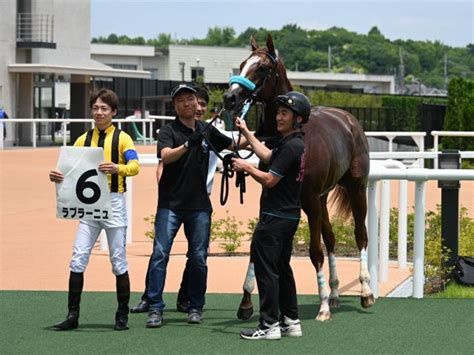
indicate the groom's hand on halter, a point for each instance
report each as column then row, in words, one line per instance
column 240, row 164
column 242, row 125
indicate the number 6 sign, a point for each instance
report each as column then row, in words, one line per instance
column 84, row 192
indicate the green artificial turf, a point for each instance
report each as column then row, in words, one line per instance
column 391, row 326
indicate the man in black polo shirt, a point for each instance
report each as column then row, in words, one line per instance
column 183, row 199
column 280, row 207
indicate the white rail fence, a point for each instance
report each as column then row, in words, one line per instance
column 378, row 247
column 147, row 133
column 379, row 213
column 437, row 134
column 381, row 172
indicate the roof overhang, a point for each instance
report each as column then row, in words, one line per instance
column 63, row 69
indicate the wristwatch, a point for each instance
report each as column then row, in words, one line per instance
column 186, row 144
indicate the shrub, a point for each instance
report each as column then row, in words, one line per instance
column 227, row 230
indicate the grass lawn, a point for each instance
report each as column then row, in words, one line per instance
column 392, row 326
column 455, row 290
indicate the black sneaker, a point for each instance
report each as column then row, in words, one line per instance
column 155, row 319
column 195, row 316
column 262, row 332
column 71, row 322
column 141, row 307
column 121, row 321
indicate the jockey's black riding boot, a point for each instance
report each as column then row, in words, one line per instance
column 123, row 297
column 76, row 282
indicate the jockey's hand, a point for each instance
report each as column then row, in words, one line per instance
column 242, row 125
column 239, row 164
column 109, row 168
column 55, row 176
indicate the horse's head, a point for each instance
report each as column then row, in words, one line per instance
column 262, row 77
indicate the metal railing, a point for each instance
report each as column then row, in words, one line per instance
column 437, row 134
column 147, row 137
column 420, row 177
column 35, row 28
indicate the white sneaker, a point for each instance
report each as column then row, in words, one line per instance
column 290, row 327
column 263, row 331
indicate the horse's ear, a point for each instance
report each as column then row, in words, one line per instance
column 270, row 46
column 253, row 43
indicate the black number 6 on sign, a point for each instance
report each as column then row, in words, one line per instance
column 83, row 184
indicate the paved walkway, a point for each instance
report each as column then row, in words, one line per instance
column 35, row 247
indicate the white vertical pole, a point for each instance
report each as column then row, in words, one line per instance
column 34, row 134
column 384, row 231
column 144, row 132
column 373, row 237
column 419, row 242
column 422, row 149
column 435, row 143
column 151, row 133
column 390, row 143
column 402, row 223
column 63, row 125
column 1, row 133
column 128, row 202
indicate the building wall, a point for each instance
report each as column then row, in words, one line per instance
column 118, row 60
column 7, row 55
column 217, row 62
column 72, row 33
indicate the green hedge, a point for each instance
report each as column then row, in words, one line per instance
column 459, row 114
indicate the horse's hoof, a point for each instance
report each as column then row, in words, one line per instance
column 244, row 313
column 334, row 302
column 323, row 316
column 367, row 301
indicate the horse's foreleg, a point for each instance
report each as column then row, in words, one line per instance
column 245, row 310
column 333, row 283
column 367, row 298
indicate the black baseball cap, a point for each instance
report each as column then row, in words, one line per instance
column 180, row 88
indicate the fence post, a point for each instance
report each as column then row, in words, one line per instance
column 419, row 242
column 402, row 223
column 450, row 159
column 372, row 222
column 384, row 231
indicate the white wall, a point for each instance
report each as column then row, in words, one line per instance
column 217, row 62
column 71, row 32
column 7, row 54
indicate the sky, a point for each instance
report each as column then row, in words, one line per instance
column 448, row 21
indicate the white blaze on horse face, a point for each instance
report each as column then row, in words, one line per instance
column 245, row 70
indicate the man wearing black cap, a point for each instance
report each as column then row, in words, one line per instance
column 183, row 199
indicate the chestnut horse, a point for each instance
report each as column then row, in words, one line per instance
column 337, row 158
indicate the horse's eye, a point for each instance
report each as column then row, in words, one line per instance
column 262, row 70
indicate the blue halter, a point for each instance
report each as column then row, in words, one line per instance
column 242, row 80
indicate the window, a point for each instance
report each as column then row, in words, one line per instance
column 197, row 74
column 154, row 73
column 123, row 66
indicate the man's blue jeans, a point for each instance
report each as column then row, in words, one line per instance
column 197, row 224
